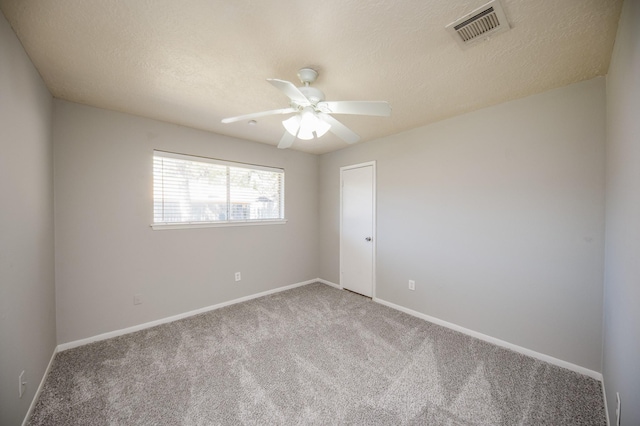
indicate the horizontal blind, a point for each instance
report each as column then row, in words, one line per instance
column 200, row 190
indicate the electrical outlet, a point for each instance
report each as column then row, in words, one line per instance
column 137, row 299
column 22, row 384
column 412, row 285
column 238, row 276
column 618, row 409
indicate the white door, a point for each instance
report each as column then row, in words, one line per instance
column 357, row 244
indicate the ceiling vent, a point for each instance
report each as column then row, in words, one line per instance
column 479, row 25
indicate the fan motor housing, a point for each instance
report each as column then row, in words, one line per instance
column 314, row 95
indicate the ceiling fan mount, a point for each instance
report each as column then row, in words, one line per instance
column 307, row 75
column 313, row 117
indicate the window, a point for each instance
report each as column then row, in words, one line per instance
column 190, row 190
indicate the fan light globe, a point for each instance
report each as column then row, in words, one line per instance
column 309, row 119
column 305, row 133
column 322, row 127
column 307, row 124
column 292, row 124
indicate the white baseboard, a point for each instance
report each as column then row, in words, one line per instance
column 39, row 390
column 555, row 361
column 329, row 283
column 502, row 343
column 121, row 332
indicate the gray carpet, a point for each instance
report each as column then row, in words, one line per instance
column 311, row 355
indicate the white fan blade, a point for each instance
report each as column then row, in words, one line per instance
column 379, row 108
column 286, row 141
column 339, row 129
column 289, row 89
column 259, row 114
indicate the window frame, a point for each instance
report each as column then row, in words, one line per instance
column 214, row 224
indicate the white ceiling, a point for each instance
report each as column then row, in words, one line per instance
column 196, row 62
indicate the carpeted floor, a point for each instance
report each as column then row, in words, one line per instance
column 311, row 355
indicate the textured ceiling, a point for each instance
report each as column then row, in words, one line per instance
column 196, row 62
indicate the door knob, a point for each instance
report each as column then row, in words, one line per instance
column 368, row 238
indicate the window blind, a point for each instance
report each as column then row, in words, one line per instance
column 193, row 190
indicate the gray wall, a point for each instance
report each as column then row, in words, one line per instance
column 498, row 215
column 622, row 265
column 106, row 251
column 27, row 303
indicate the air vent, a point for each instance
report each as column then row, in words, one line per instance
column 479, row 25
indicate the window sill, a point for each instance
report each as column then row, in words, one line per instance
column 164, row 227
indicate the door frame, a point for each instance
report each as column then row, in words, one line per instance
column 374, row 225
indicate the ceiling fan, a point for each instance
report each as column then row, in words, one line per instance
column 313, row 117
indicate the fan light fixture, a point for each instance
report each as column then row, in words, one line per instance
column 305, row 124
